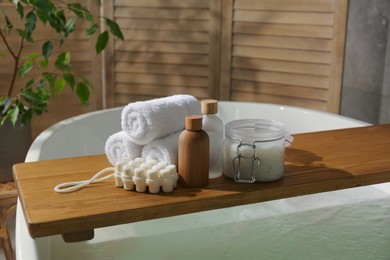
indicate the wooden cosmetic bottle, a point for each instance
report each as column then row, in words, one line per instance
column 193, row 166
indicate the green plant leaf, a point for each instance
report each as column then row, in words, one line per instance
column 8, row 22
column 88, row 16
column 30, row 22
column 25, row 35
column 67, row 57
column 3, row 120
column 41, row 83
column 59, row 85
column 2, row 53
column 22, row 33
column 61, row 18
column 38, row 110
column 114, row 28
column 50, row 78
column 25, row 68
column 69, row 78
column 82, row 92
column 44, row 17
column 86, row 82
column 70, row 26
column 81, row 11
column 63, row 61
column 44, row 63
column 47, row 76
column 6, row 105
column 57, row 21
column 20, row 10
column 30, row 83
column 32, row 56
column 30, row 97
column 37, row 100
column 76, row 8
column 45, row 6
column 20, row 106
column 47, row 49
column 13, row 114
column 92, row 29
column 44, row 94
column 52, row 83
column 101, row 42
column 27, row 116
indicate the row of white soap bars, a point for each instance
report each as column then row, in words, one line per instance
column 139, row 174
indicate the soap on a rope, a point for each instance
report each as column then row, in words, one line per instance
column 137, row 174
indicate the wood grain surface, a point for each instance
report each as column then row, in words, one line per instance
column 316, row 162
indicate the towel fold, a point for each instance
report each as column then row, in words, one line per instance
column 145, row 121
column 119, row 147
column 163, row 149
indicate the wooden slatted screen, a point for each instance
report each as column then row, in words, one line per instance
column 170, row 47
column 85, row 62
column 283, row 51
column 277, row 51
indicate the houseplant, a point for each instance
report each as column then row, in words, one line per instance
column 53, row 61
column 62, row 18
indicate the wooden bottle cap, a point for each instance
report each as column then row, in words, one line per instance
column 194, row 123
column 209, row 106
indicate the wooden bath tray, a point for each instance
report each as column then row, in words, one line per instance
column 316, row 162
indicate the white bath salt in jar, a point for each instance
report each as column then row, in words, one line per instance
column 254, row 150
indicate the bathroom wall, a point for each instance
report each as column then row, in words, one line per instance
column 366, row 87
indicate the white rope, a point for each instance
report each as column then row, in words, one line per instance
column 76, row 185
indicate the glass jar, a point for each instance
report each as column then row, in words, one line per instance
column 254, row 150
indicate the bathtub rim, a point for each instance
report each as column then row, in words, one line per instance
column 34, row 155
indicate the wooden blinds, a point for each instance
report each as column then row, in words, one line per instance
column 278, row 51
column 284, row 51
column 170, row 47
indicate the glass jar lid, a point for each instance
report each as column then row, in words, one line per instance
column 255, row 130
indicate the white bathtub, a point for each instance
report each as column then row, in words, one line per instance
column 345, row 224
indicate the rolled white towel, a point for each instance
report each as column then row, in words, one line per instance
column 145, row 121
column 119, row 147
column 163, row 149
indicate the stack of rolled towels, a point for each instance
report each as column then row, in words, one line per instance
column 151, row 129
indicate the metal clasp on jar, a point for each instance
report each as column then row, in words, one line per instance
column 246, row 151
